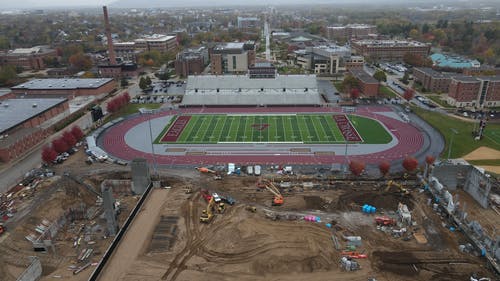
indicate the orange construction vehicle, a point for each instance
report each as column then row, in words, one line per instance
column 278, row 198
column 354, row 255
column 387, row 221
column 205, row 170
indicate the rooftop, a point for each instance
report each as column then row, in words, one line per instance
column 63, row 84
column 15, row 111
column 433, row 73
column 464, row 78
column 231, row 45
column 158, row 38
column 29, row 51
column 442, row 60
column 389, row 43
column 363, row 76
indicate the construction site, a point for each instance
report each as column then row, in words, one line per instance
column 112, row 223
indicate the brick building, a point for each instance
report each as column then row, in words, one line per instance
column 6, row 94
column 68, row 88
column 248, row 23
column 232, row 58
column 26, row 122
column 28, row 58
column 159, row 42
column 389, row 50
column 191, row 61
column 368, row 85
column 478, row 92
column 328, row 59
column 432, row 80
column 350, row 31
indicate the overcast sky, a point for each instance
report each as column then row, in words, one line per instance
column 51, row 3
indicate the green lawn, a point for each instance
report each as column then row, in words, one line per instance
column 387, row 92
column 463, row 142
column 437, row 99
column 303, row 128
column 132, row 108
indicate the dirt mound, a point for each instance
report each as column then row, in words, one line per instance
column 380, row 200
column 281, row 264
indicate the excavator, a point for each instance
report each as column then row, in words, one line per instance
column 278, row 198
column 206, row 170
column 208, row 214
column 399, row 186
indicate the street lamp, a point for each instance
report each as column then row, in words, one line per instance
column 454, row 131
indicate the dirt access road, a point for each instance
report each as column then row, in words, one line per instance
column 136, row 237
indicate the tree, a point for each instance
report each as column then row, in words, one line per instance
column 80, row 61
column 355, row 93
column 410, row 164
column 7, row 75
column 380, row 75
column 148, row 81
column 408, row 94
column 48, row 154
column 60, row 145
column 142, row 83
column 384, row 167
column 430, row 159
column 348, row 83
column 69, row 138
column 77, row 133
column 356, row 167
column 405, row 78
column 416, row 60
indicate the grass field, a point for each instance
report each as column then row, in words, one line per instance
column 299, row 128
column 463, row 143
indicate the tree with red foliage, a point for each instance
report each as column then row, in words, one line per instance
column 408, row 94
column 77, row 133
column 430, row 159
column 384, row 167
column 68, row 137
column 126, row 96
column 410, row 164
column 356, row 167
column 48, row 154
column 60, row 145
column 112, row 106
column 355, row 93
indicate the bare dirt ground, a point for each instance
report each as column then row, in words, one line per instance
column 483, row 153
column 272, row 244
column 167, row 241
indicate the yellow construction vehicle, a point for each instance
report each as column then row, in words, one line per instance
column 208, row 213
column 252, row 209
column 278, row 198
column 221, row 208
column 400, row 187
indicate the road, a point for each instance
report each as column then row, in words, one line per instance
column 268, row 46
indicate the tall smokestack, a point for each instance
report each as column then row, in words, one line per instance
column 111, row 51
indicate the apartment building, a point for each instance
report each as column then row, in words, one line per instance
column 191, row 61
column 389, row 50
column 432, row 80
column 350, row 31
column 478, row 92
column 232, row 58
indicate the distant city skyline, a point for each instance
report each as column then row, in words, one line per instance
column 36, row 4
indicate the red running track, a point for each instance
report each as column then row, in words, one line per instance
column 410, row 140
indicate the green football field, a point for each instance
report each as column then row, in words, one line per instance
column 282, row 128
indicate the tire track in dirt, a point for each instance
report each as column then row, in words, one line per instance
column 195, row 238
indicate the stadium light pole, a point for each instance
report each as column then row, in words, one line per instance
column 150, row 114
column 454, row 132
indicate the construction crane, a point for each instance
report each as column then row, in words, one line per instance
column 278, row 198
column 208, row 214
column 399, row 186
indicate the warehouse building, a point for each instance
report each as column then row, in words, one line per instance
column 26, row 122
column 65, row 87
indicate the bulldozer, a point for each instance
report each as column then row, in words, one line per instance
column 252, row 209
column 208, row 214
